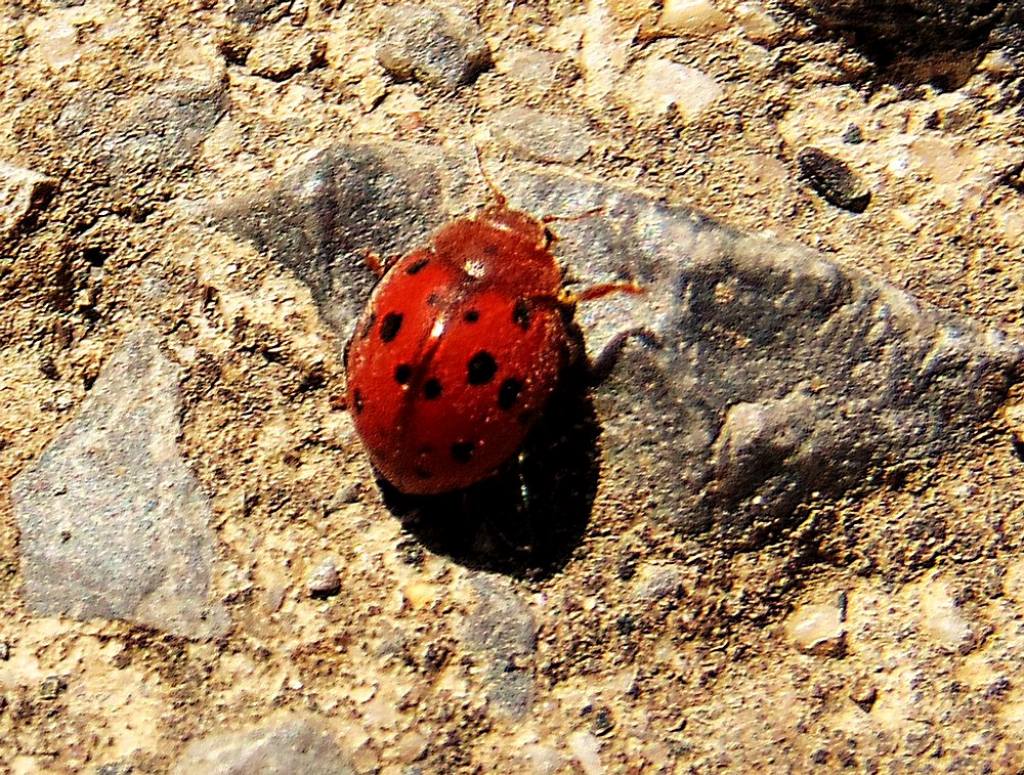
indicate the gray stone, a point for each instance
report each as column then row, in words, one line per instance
column 293, row 745
column 531, row 134
column 23, row 193
column 284, row 50
column 501, row 630
column 778, row 375
column 833, row 179
column 324, row 581
column 348, row 199
column 52, row 687
column 769, row 375
column 137, row 143
column 432, row 45
column 256, row 13
column 113, row 524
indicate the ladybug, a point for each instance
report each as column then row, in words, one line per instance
column 460, row 347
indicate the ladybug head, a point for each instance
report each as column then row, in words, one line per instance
column 529, row 229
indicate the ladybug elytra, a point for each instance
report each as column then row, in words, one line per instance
column 459, row 348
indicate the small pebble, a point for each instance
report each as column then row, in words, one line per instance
column 817, row 629
column 324, row 581
column 283, row 51
column 603, row 723
column 410, row 747
column 863, row 693
column 691, row 17
column 5, row 651
column 659, row 85
column 1014, row 417
column 22, row 194
column 434, row 46
column 757, row 24
column 833, row 179
column 853, row 135
column 532, row 68
column 52, row 687
column 531, row 134
column 346, row 495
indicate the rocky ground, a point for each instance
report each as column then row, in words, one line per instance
column 782, row 533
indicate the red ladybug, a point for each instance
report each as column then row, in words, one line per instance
column 458, row 350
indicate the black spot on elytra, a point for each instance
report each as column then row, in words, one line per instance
column 521, row 314
column 432, row 388
column 422, row 473
column 403, row 373
column 390, row 326
column 508, row 393
column 462, row 451
column 471, row 315
column 415, row 268
column 490, row 249
column 357, row 401
column 481, row 368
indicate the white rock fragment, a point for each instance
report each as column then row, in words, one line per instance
column 691, row 17
column 941, row 618
column 1013, row 415
column 587, row 750
column 22, row 192
column 532, row 134
column 603, row 52
column 324, row 581
column 818, row 629
column 543, row 760
column 757, row 24
column 657, row 86
column 530, row 67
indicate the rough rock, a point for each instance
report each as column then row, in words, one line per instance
column 758, row 25
column 138, row 143
column 284, row 50
column 691, row 17
column 655, row 87
column 432, row 45
column 774, row 375
column 323, row 217
column 324, row 581
column 289, row 746
column 533, row 134
column 501, row 630
column 768, row 375
column 912, row 26
column 113, row 524
column 256, row 13
column 833, row 179
column 22, row 194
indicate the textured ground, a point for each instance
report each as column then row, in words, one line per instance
column 783, row 533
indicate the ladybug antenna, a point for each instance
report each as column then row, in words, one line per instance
column 495, row 191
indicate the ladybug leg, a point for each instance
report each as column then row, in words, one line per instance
column 378, row 265
column 599, row 291
column 577, row 217
column 599, row 368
